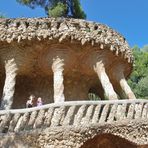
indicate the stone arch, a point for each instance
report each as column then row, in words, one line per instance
column 108, row 141
column 95, row 94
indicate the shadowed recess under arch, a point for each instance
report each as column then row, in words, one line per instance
column 108, row 141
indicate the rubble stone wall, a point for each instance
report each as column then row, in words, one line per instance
column 132, row 134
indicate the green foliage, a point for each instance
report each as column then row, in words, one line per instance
column 25, row 2
column 77, row 10
column 145, row 48
column 57, row 8
column 93, row 96
column 139, row 78
column 1, row 15
column 142, row 88
column 136, row 48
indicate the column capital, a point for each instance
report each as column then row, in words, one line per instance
column 57, row 64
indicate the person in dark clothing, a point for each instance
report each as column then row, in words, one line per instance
column 30, row 101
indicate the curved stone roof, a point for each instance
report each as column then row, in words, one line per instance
column 83, row 31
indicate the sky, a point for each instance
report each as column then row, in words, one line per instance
column 129, row 17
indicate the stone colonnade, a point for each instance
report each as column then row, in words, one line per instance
column 110, row 93
column 58, row 79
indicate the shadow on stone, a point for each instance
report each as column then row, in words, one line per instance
column 108, row 141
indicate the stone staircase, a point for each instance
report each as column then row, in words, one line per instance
column 72, row 113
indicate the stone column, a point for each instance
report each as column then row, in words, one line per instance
column 119, row 76
column 126, row 88
column 9, row 86
column 106, row 84
column 57, row 68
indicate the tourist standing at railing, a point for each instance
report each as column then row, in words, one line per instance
column 30, row 101
column 39, row 101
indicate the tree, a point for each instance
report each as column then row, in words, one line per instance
column 57, row 8
column 145, row 48
column 139, row 78
column 142, row 88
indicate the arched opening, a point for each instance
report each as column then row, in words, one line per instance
column 95, row 91
column 40, row 86
column 93, row 94
column 108, row 141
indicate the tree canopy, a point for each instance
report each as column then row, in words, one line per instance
column 57, row 8
column 139, row 78
column 1, row 15
column 145, row 48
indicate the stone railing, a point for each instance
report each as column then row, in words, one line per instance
column 74, row 113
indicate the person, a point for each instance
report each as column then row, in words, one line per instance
column 39, row 101
column 30, row 101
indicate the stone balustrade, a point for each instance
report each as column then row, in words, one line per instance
column 74, row 113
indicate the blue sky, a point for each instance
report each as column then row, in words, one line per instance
column 129, row 17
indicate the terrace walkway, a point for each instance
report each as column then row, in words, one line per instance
column 75, row 113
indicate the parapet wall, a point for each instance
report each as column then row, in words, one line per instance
column 72, row 113
column 71, row 124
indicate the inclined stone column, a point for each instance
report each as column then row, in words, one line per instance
column 118, row 71
column 9, row 86
column 126, row 88
column 106, row 84
column 57, row 68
